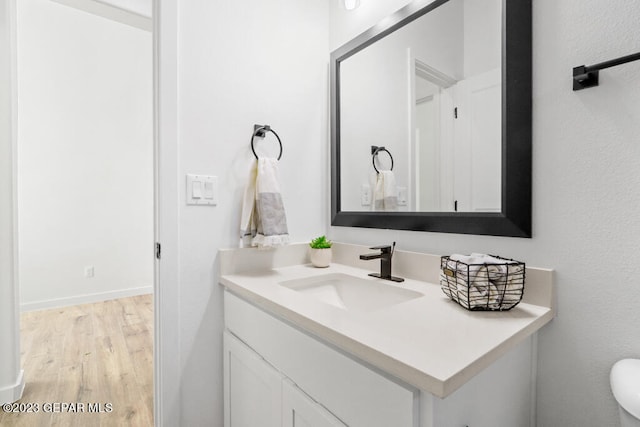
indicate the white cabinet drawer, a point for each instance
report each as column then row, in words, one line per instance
column 354, row 393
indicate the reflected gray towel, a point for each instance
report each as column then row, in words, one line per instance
column 264, row 221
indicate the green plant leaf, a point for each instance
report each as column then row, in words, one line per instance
column 320, row 243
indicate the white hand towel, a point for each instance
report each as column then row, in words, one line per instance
column 248, row 225
column 263, row 217
column 385, row 194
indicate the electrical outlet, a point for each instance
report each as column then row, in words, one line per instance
column 88, row 271
column 402, row 196
column 365, row 195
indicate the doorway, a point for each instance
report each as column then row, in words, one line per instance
column 85, row 174
column 432, row 104
column 455, row 136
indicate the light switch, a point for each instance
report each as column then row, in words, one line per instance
column 208, row 190
column 196, row 190
column 202, row 190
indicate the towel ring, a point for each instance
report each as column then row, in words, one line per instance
column 374, row 152
column 260, row 130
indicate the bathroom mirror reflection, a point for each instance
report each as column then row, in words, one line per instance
column 430, row 94
column 445, row 87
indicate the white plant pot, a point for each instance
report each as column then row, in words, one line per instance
column 320, row 257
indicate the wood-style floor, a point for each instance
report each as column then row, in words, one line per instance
column 87, row 354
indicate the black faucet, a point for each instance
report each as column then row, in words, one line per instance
column 385, row 254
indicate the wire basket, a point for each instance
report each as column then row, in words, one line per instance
column 483, row 287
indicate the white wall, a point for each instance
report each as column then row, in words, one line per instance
column 241, row 63
column 85, row 156
column 585, row 201
column 482, row 36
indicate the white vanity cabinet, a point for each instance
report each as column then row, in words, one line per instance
column 278, row 375
column 295, row 359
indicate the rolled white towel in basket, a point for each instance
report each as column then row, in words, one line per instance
column 473, row 262
column 472, row 295
column 507, row 276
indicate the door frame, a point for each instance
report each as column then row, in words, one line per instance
column 11, row 334
column 166, row 359
column 417, row 68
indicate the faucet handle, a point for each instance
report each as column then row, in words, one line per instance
column 383, row 248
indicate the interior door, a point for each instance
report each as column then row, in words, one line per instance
column 478, row 144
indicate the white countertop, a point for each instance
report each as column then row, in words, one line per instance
column 429, row 342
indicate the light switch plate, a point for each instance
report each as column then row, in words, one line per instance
column 202, row 190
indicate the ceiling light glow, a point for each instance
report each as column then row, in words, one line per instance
column 351, row 4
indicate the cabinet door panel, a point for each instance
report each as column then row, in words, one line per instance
column 252, row 387
column 299, row 410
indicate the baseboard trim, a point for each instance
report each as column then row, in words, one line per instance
column 13, row 392
column 85, row 299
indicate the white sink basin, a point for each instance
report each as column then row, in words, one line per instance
column 350, row 292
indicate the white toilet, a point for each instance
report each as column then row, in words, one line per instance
column 625, row 384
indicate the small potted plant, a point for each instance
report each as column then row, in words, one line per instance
column 320, row 252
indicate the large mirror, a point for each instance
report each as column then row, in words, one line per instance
column 431, row 120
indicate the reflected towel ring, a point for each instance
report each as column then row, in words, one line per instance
column 260, row 131
column 374, row 152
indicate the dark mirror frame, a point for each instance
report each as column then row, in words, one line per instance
column 515, row 216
